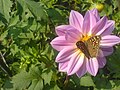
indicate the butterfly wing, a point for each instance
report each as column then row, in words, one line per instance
column 81, row 45
column 93, row 45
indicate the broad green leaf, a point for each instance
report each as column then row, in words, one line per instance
column 21, row 7
column 8, row 85
column 36, row 9
column 35, row 72
column 5, row 8
column 86, row 81
column 37, row 84
column 55, row 15
column 23, row 11
column 114, row 61
column 47, row 77
column 31, row 80
column 21, row 80
column 56, row 88
column 102, row 83
column 37, row 81
column 14, row 21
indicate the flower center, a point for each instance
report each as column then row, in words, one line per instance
column 85, row 38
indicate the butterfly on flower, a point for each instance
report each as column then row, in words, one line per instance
column 91, row 47
column 79, row 51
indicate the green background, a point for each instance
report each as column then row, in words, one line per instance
column 26, row 29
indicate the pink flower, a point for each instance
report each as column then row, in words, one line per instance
column 71, row 58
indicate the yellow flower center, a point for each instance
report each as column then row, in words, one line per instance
column 85, row 38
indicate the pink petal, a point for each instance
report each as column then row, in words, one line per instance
column 92, row 66
column 107, row 51
column 82, row 70
column 60, row 43
column 73, row 35
column 61, row 30
column 100, row 25
column 75, row 63
column 108, row 28
column 76, row 20
column 100, row 53
column 88, row 23
column 101, row 61
column 109, row 40
column 65, row 54
column 63, row 66
column 95, row 12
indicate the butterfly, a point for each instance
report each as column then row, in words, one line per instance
column 91, row 47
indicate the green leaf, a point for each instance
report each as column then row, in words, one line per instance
column 116, row 88
column 21, row 7
column 87, row 81
column 26, row 35
column 36, row 9
column 31, row 80
column 21, row 80
column 49, row 3
column 102, row 82
column 50, row 53
column 5, row 8
column 36, row 84
column 3, row 35
column 35, row 72
column 14, row 21
column 14, row 49
column 47, row 77
column 37, row 81
column 55, row 15
column 56, row 88
column 116, row 84
column 114, row 62
column 1, row 24
column 8, row 85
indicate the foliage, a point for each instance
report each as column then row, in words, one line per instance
column 26, row 29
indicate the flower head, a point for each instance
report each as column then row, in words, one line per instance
column 84, row 43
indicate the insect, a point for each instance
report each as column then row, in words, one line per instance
column 90, row 47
